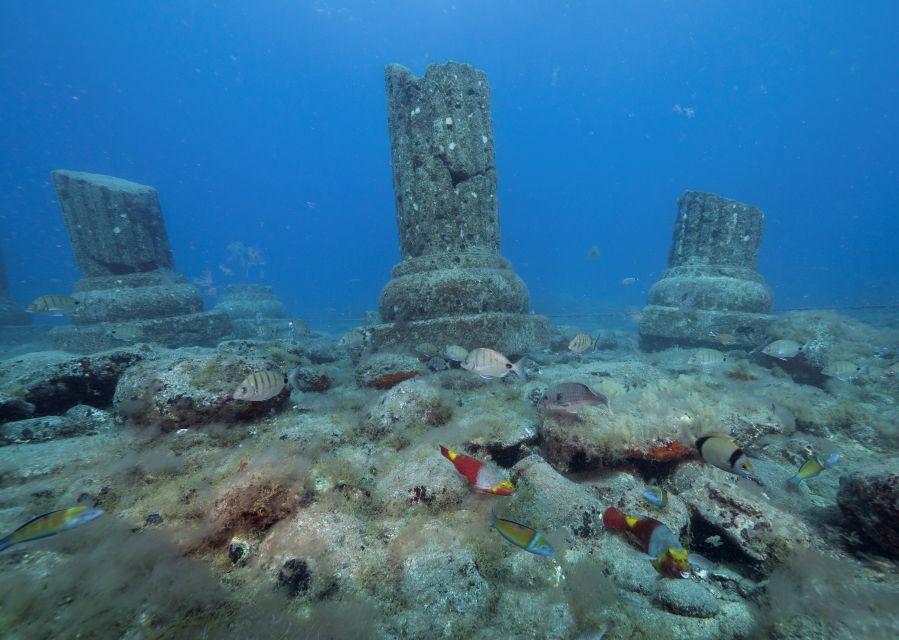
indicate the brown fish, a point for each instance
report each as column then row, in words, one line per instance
column 261, row 386
column 488, row 364
column 568, row 396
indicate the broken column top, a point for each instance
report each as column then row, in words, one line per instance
column 444, row 166
column 711, row 230
column 115, row 226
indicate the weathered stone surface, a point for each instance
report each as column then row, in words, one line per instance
column 54, row 382
column 870, row 501
column 192, row 390
column 444, row 177
column 413, row 403
column 78, row 421
column 687, row 598
column 116, row 226
column 255, row 312
column 11, row 312
column 710, row 286
column 423, row 479
column 386, row 369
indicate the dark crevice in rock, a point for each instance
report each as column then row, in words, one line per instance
column 723, row 552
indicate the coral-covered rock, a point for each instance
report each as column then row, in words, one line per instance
column 753, row 530
column 308, row 379
column 53, row 382
column 78, row 421
column 411, row 403
column 192, row 390
column 385, row 370
column 870, row 502
column 420, row 476
column 252, row 508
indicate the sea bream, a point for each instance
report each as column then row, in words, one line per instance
column 489, row 364
column 581, row 342
column 53, row 305
column 569, row 396
column 260, row 386
column 783, row 349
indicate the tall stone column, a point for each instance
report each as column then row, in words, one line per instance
column 129, row 291
column 711, row 287
column 452, row 285
column 11, row 312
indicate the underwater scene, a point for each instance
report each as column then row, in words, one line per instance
column 504, row 320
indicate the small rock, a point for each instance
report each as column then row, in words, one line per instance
column 294, row 577
column 687, row 598
column 384, row 370
column 153, row 519
column 410, row 403
column 870, row 502
column 39, row 430
column 238, row 551
column 309, row 379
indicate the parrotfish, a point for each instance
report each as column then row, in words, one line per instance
column 260, row 386
column 814, row 466
column 484, row 477
column 724, row 453
column 568, row 396
column 656, row 496
column 49, row 524
column 488, row 364
column 522, row 536
column 655, row 539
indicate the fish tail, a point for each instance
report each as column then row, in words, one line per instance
column 795, row 480
column 4, row 543
column 517, row 368
column 613, row 519
column 492, row 522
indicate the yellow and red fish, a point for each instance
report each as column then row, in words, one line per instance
column 484, row 477
column 668, row 555
column 49, row 524
column 522, row 536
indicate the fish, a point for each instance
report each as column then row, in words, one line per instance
column 489, row 364
column 260, row 386
column 426, row 350
column 656, row 496
column 593, row 254
column 844, row 371
column 484, row 477
column 455, row 353
column 568, row 396
column 783, row 349
column 814, row 466
column 581, row 342
column 126, row 332
column 597, row 634
column 49, row 524
column 629, row 281
column 655, row 539
column 891, row 371
column 53, row 305
column 353, row 339
column 724, row 453
column 522, row 536
column 726, row 339
column 707, row 359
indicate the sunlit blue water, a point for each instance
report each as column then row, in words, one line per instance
column 265, row 123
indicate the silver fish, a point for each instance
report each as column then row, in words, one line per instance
column 488, row 364
column 260, row 386
column 455, row 353
column 53, row 305
column 580, row 343
column 783, row 349
column 568, row 396
column 844, row 371
column 707, row 359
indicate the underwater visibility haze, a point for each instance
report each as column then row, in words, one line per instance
column 449, row 319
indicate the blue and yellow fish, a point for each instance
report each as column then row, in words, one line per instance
column 49, row 524
column 814, row 466
column 656, row 496
column 522, row 536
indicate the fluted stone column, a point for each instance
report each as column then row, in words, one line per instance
column 11, row 312
column 711, row 285
column 452, row 285
column 129, row 291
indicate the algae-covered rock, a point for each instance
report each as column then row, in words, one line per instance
column 870, row 502
column 192, row 390
column 417, row 478
column 414, row 403
column 386, row 369
column 687, row 598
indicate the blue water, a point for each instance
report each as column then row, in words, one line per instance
column 267, row 125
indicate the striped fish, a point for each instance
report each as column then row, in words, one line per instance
column 53, row 305
column 522, row 536
column 49, row 524
column 260, row 386
column 707, row 359
column 488, row 364
column 581, row 342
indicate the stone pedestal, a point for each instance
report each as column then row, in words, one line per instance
column 255, row 311
column 711, row 285
column 452, row 286
column 130, row 291
column 11, row 312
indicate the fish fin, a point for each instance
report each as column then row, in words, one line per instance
column 517, row 368
column 698, row 561
column 613, row 519
column 796, row 480
column 4, row 543
column 492, row 522
column 595, row 341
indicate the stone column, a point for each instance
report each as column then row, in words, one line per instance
column 255, row 311
column 130, row 291
column 452, row 285
column 711, row 285
column 11, row 312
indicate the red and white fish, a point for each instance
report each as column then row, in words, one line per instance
column 655, row 539
column 484, row 477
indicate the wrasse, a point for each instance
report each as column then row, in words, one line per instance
column 656, row 496
column 522, row 536
column 655, row 539
column 49, row 524
column 813, row 467
column 484, row 477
